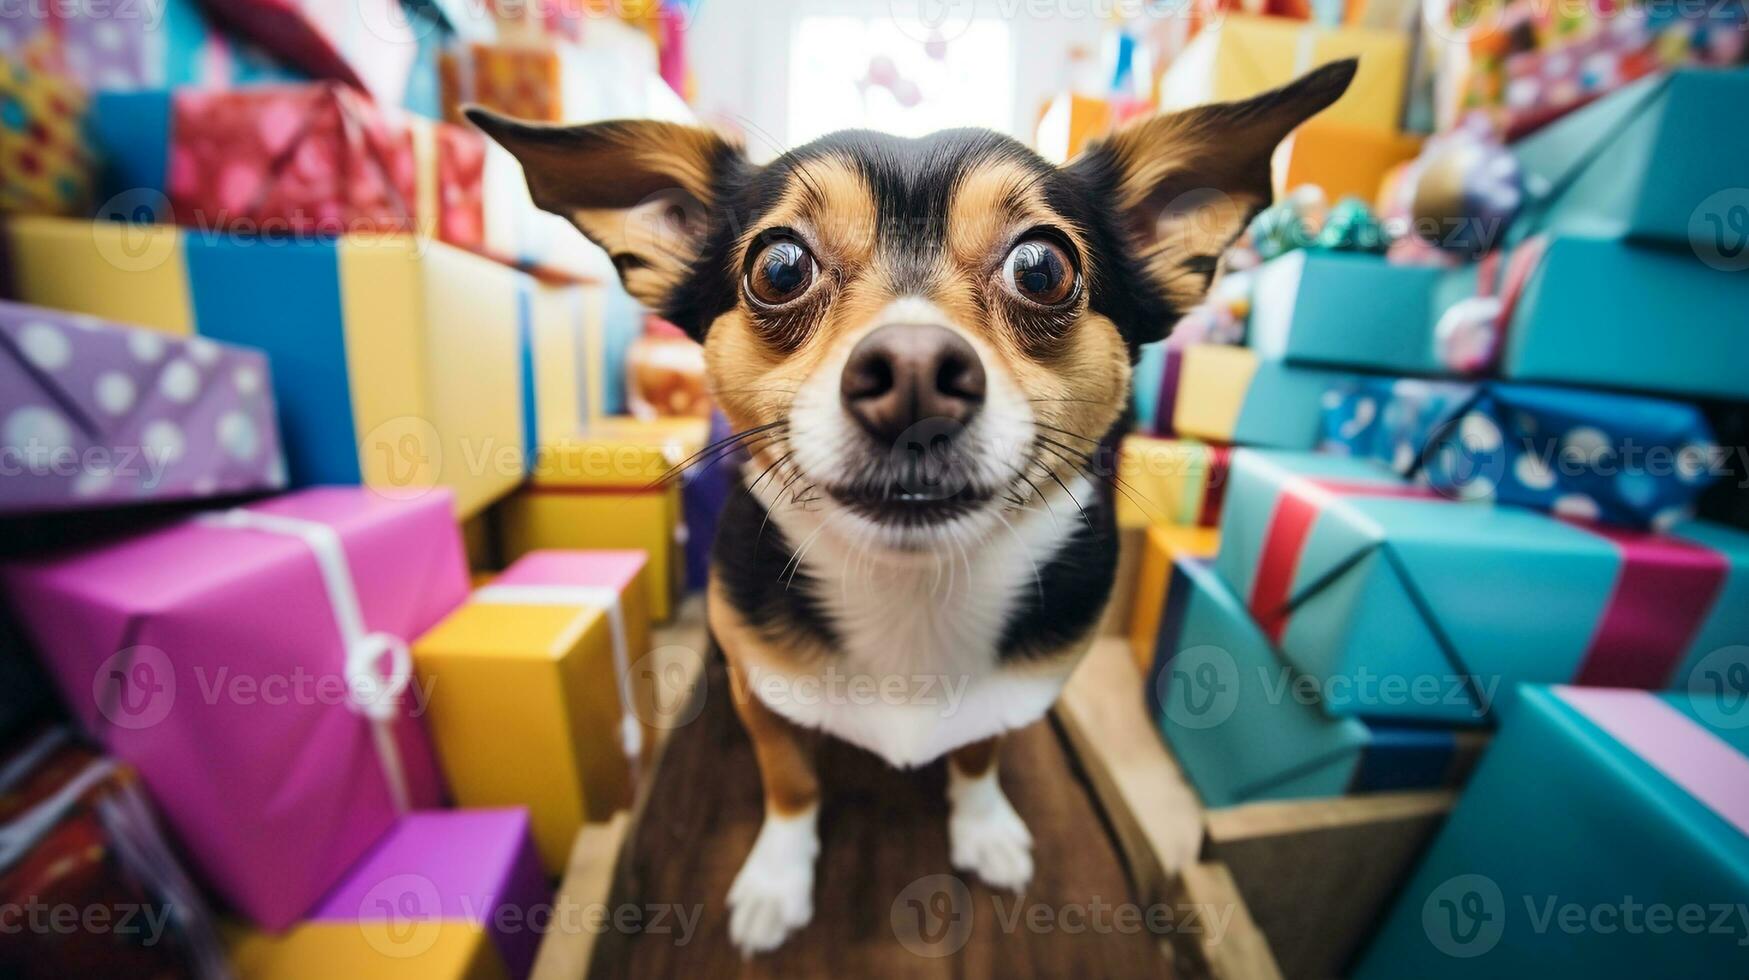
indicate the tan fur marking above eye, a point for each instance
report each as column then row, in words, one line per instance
column 827, row 197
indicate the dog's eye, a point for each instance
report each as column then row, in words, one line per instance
column 781, row 273
column 1039, row 271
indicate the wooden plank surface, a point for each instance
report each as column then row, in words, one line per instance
column 1229, row 946
column 887, row 900
column 569, row 945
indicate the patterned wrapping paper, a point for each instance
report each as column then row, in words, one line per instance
column 80, row 833
column 96, row 414
column 521, row 80
column 1621, row 459
column 122, row 47
column 45, row 164
column 317, row 159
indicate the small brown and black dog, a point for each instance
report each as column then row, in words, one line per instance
column 920, row 342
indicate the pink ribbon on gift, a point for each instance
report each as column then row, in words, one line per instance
column 1699, row 762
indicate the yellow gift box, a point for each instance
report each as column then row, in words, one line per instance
column 1165, row 543
column 445, row 949
column 1169, row 481
column 397, row 364
column 537, row 690
column 1346, row 161
column 1245, row 55
column 600, row 490
column 1213, row 380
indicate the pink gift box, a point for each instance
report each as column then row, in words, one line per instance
column 250, row 664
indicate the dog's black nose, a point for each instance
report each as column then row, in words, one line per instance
column 903, row 373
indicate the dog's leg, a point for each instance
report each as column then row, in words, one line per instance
column 773, row 895
column 987, row 837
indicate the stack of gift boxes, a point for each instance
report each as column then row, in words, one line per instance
column 357, row 639
column 1430, row 520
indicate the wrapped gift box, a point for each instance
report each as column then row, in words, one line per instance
column 536, row 690
column 98, row 414
column 1162, row 545
column 1576, row 312
column 45, row 163
column 1621, row 459
column 528, row 80
column 1247, row 727
column 368, row 44
column 1344, row 160
column 395, row 361
column 1231, row 395
column 1170, row 481
column 1244, row 55
column 1358, row 575
column 1147, row 376
column 1654, row 854
column 313, row 158
column 1584, row 313
column 604, row 490
column 1319, row 307
column 79, row 833
column 1642, row 164
column 111, row 47
column 551, row 320
column 276, row 632
column 445, row 894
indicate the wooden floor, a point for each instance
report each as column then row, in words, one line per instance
column 883, row 837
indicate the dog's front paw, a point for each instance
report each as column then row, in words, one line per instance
column 986, row 836
column 773, row 895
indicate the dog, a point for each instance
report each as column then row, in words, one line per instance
column 919, row 344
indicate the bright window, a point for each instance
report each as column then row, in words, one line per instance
column 832, row 86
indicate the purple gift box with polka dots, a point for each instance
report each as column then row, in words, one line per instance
column 98, row 414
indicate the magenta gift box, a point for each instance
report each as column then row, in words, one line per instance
column 251, row 664
column 475, row 866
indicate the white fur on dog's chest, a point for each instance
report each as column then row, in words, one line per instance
column 917, row 674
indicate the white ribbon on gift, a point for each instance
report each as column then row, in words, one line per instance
column 370, row 691
column 631, row 735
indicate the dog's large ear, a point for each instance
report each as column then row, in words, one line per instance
column 1186, row 184
column 641, row 189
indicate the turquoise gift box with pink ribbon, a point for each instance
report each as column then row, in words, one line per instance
column 1433, row 609
column 252, row 664
column 1604, row 835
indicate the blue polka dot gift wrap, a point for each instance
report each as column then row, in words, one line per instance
column 95, row 413
column 1625, row 460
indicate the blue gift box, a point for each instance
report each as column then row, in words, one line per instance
column 1245, row 726
column 1346, row 310
column 1431, row 609
column 1623, row 459
column 1650, row 162
column 1605, row 835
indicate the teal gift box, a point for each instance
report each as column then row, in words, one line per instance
column 1429, row 609
column 1650, row 162
column 1596, row 312
column 1346, row 310
column 1605, row 835
column 1246, row 727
